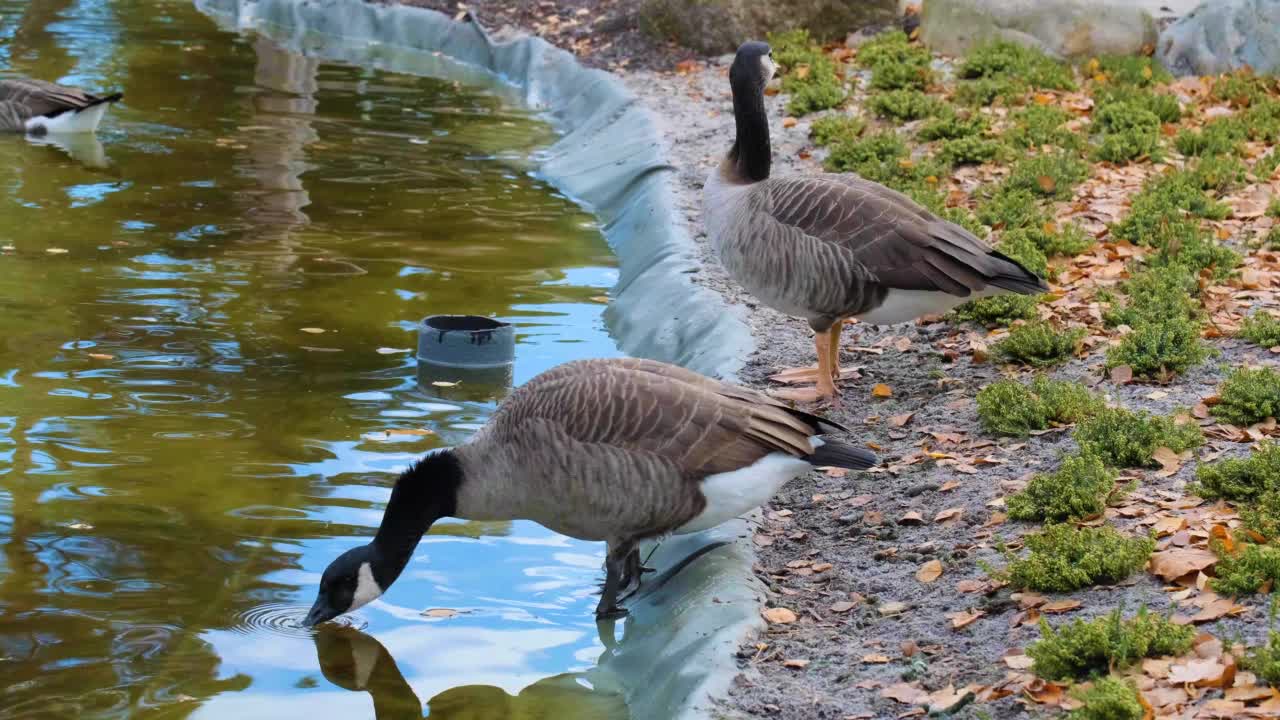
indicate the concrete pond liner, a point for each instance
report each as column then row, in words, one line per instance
column 676, row 653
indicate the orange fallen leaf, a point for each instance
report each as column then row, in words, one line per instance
column 1178, row 562
column 797, row 663
column 101, row 356
column 1122, row 374
column 900, row 420
column 1169, row 461
column 948, row 514
column 905, row 693
column 875, row 659
column 929, row 571
column 1217, row 609
column 964, row 619
column 911, row 518
column 789, row 122
column 882, row 391
column 779, row 616
column 1060, row 606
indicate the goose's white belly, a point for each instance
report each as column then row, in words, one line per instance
column 731, row 494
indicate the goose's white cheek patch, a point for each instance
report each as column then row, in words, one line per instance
column 367, row 589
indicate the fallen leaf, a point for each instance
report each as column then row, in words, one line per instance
column 1168, row 526
column 948, row 514
column 929, row 571
column 1178, row 562
column 55, row 251
column 1202, row 672
column 875, row 659
column 797, row 663
column 843, row 606
column 1217, row 609
column 444, row 383
column 1060, row 606
column 409, row 431
column 604, row 299
column 905, row 693
column 893, row 608
column 779, row 616
column 911, row 518
column 102, row 356
column 900, row 420
column 821, row 567
column 1169, row 461
column 944, row 701
column 948, row 486
column 1018, row 662
column 881, row 391
column 1122, row 374
column 789, row 122
column 312, row 330
column 440, row 612
column 963, row 619
column 392, row 351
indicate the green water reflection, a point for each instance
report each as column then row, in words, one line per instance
column 205, row 325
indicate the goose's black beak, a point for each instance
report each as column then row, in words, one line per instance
column 320, row 612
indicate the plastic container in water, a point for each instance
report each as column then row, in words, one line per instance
column 465, row 357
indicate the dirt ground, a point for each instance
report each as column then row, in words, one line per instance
column 843, row 553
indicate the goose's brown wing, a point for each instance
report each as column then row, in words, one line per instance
column 701, row 426
column 899, row 243
column 44, row 98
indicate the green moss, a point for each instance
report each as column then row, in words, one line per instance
column 1163, row 106
column 903, row 105
column 1223, row 136
column 858, row 154
column 1039, row 125
column 1157, row 213
column 1240, row 479
column 895, row 63
column 970, row 150
column 1068, row 240
column 1128, row 132
column 1159, row 348
column 1052, row 175
column 836, row 128
column 1134, row 70
column 1155, row 294
column 1128, row 439
column 985, row 91
column 1241, row 88
column 961, row 217
column 1266, row 165
column 1220, row 173
column 1008, row 407
column 1263, row 120
column 1021, row 246
column 1003, row 59
column 1081, row 487
column 1109, row 698
column 1248, row 396
column 809, row 75
column 1273, row 209
column 1262, row 515
column 950, row 125
column 1273, row 238
column 1008, row 209
column 1090, row 648
column 1261, row 328
column 1038, row 344
column 1264, row 660
column 999, row 310
column 1063, row 558
column 1246, row 570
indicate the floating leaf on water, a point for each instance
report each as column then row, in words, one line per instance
column 392, row 351
column 102, row 356
column 440, row 612
column 312, row 330
column 55, row 251
column 600, row 299
column 445, row 383
column 409, row 431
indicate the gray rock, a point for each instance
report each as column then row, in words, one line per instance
column 1221, row 36
column 1061, row 28
column 719, row 26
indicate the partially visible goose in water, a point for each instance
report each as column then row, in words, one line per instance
column 616, row 450
column 831, row 247
column 39, row 107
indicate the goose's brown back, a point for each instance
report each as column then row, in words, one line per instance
column 24, row 98
column 832, row 246
column 615, row 449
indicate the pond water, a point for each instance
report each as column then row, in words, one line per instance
column 207, row 384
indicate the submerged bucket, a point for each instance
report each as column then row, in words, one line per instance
column 465, row 357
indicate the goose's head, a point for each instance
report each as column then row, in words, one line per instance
column 423, row 494
column 753, row 65
column 348, row 584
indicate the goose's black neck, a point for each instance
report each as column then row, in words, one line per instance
column 750, row 153
column 423, row 494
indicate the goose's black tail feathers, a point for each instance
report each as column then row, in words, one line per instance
column 834, row 453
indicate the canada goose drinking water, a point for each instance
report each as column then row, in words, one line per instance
column 39, row 107
column 616, row 450
column 831, row 247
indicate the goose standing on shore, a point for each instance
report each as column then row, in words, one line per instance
column 38, row 107
column 616, row 450
column 831, row 247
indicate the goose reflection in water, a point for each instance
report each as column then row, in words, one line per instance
column 357, row 662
